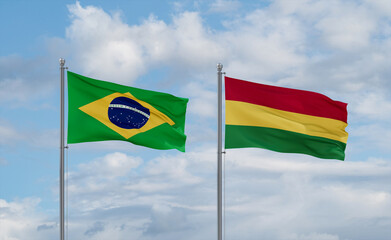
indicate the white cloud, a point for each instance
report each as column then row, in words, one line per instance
column 381, row 7
column 371, row 137
column 166, row 219
column 347, row 25
column 340, row 25
column 110, row 166
column 224, row 6
column 264, row 190
column 372, row 105
column 23, row 83
column 263, row 45
column 104, row 44
column 127, row 52
column 175, row 196
column 21, row 220
column 311, row 236
column 201, row 104
column 8, row 133
column 277, row 164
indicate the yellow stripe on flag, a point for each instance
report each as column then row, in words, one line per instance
column 247, row 114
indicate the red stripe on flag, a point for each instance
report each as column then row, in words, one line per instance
column 286, row 99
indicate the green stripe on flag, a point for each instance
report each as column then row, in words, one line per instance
column 282, row 141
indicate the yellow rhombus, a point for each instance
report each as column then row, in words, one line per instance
column 99, row 110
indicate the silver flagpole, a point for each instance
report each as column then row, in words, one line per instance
column 219, row 154
column 62, row 232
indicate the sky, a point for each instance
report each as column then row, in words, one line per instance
column 116, row 190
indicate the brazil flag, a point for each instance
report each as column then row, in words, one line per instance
column 100, row 111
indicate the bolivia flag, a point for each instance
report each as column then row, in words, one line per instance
column 99, row 111
column 284, row 120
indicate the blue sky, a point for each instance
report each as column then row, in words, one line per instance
column 121, row 191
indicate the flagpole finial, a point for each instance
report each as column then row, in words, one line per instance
column 62, row 61
column 219, row 67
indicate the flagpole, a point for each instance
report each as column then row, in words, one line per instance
column 62, row 232
column 219, row 153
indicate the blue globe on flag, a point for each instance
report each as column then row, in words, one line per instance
column 128, row 113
